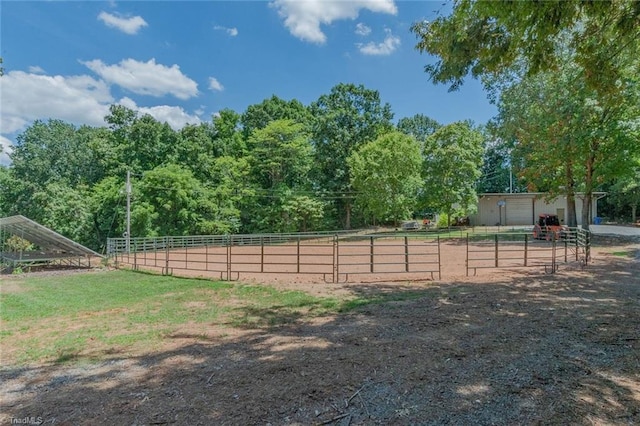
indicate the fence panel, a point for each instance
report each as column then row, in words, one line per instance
column 337, row 256
column 334, row 256
column 380, row 254
column 516, row 250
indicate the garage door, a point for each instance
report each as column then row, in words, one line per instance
column 519, row 211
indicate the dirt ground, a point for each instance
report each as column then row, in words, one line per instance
column 313, row 262
column 504, row 347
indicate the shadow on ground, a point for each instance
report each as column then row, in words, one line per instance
column 539, row 349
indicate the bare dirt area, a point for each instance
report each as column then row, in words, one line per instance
column 504, row 347
column 389, row 259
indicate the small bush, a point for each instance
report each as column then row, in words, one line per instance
column 15, row 243
column 443, row 220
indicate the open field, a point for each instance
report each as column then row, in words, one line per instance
column 504, row 347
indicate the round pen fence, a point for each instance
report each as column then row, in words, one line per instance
column 334, row 256
column 518, row 250
column 337, row 257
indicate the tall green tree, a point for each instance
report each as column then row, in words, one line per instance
column 227, row 134
column 107, row 207
column 120, row 119
column 495, row 172
column 65, row 209
column 232, row 191
column 281, row 153
column 487, row 38
column 566, row 139
column 419, row 126
column 281, row 157
column 451, row 168
column 196, row 149
column 140, row 141
column 258, row 116
column 16, row 194
column 345, row 119
column 386, row 173
column 498, row 168
column 52, row 151
column 150, row 144
column 169, row 200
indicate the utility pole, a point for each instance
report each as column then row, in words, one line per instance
column 128, row 231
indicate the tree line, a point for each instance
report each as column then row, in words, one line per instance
column 279, row 166
column 564, row 76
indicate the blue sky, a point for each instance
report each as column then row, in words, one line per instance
column 183, row 61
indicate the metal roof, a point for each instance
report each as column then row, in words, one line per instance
column 43, row 237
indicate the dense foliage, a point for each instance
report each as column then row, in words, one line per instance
column 565, row 77
column 279, row 166
column 488, row 37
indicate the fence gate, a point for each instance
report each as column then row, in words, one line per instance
column 517, row 250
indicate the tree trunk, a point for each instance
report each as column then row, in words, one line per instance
column 572, row 219
column 586, row 210
column 588, row 187
column 633, row 213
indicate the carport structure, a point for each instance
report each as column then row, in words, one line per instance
column 50, row 248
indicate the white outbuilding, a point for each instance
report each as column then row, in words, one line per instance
column 523, row 208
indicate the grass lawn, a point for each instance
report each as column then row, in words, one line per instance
column 91, row 315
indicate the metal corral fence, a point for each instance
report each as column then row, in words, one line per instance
column 513, row 250
column 334, row 256
column 337, row 256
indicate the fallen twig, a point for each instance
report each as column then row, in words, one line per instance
column 336, row 418
column 356, row 394
column 364, row 405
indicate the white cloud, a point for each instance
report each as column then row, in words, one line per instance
column 36, row 69
column 215, row 85
column 27, row 97
column 176, row 117
column 77, row 99
column 6, row 148
column 130, row 25
column 146, row 78
column 362, row 29
column 303, row 18
column 387, row 47
column 231, row 31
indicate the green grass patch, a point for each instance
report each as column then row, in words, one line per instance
column 43, row 297
column 623, row 253
column 68, row 318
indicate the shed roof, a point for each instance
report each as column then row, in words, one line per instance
column 43, row 237
column 538, row 195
